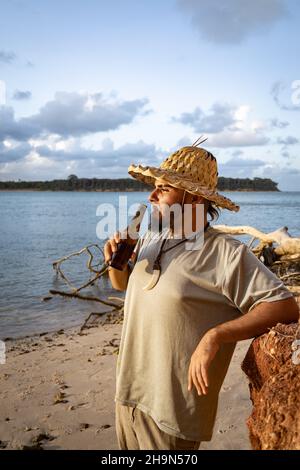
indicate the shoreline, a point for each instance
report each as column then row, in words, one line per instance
column 57, row 392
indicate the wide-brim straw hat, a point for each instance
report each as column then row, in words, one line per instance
column 190, row 168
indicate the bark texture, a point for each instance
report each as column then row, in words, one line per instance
column 274, row 375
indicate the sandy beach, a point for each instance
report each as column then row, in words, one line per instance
column 57, row 392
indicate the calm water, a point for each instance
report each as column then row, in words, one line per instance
column 38, row 228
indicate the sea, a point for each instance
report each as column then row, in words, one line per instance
column 38, row 228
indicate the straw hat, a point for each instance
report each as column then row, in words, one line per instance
column 190, row 168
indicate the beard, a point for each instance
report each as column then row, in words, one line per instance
column 156, row 220
column 159, row 221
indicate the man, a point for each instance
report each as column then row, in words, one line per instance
column 184, row 311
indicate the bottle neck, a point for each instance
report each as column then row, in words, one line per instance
column 135, row 224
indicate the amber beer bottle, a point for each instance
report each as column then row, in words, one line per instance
column 126, row 246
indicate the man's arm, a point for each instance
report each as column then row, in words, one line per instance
column 254, row 323
column 257, row 321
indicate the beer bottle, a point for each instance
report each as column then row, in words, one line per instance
column 128, row 241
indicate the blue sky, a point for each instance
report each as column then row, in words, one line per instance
column 92, row 86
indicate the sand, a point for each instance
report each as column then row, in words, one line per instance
column 57, row 392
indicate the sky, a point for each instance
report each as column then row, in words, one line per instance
column 88, row 87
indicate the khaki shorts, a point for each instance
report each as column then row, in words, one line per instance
column 137, row 431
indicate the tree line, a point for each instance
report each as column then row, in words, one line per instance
column 73, row 183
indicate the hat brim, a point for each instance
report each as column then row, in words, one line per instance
column 148, row 175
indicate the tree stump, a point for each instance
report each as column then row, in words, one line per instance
column 274, row 374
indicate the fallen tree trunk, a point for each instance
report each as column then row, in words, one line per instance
column 272, row 365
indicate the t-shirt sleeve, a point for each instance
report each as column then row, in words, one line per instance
column 247, row 281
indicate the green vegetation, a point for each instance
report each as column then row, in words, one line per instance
column 246, row 184
column 73, row 183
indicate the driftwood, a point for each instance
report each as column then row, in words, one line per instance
column 84, row 297
column 287, row 245
column 277, row 250
column 98, row 270
column 92, row 268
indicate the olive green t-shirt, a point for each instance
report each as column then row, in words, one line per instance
column 197, row 290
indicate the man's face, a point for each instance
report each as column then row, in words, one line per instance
column 162, row 198
column 164, row 194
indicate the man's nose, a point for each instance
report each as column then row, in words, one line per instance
column 153, row 196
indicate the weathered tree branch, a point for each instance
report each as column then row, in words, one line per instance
column 87, row 249
column 85, row 297
column 99, row 269
column 287, row 245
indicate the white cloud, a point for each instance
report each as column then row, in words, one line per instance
column 107, row 162
column 284, row 174
column 241, row 113
column 258, row 125
column 276, row 123
column 10, row 152
column 285, row 154
column 283, row 95
column 289, row 140
column 287, row 177
column 107, row 156
column 18, row 130
column 238, row 138
column 237, row 153
column 69, row 114
column 21, row 95
column 240, row 167
column 228, row 125
column 35, row 161
column 219, row 117
column 7, row 57
column 232, row 21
